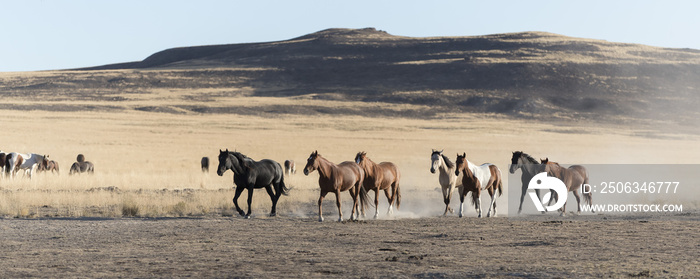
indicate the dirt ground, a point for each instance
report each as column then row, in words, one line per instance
column 292, row 246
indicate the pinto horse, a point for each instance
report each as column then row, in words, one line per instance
column 529, row 167
column 250, row 174
column 383, row 176
column 17, row 161
column 346, row 176
column 448, row 180
column 573, row 177
column 477, row 178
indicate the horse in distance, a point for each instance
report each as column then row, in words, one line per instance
column 17, row 161
column 48, row 165
column 81, row 166
column 346, row 176
column 383, row 176
column 290, row 167
column 476, row 178
column 447, row 178
column 205, row 164
column 250, row 174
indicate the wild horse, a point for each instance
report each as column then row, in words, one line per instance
column 346, row 176
column 249, row 174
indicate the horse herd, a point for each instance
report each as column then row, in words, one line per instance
column 362, row 175
column 13, row 162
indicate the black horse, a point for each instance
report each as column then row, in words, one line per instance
column 530, row 167
column 249, row 174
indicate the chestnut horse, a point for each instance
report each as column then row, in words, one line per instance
column 383, row 176
column 346, row 176
column 48, row 165
column 448, row 180
column 477, row 178
column 573, row 177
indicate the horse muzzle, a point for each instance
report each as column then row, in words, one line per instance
column 306, row 172
column 432, row 170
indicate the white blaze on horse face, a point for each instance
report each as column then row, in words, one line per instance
column 435, row 164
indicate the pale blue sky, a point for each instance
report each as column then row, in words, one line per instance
column 45, row 35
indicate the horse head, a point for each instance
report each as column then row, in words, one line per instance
column 311, row 163
column 360, row 157
column 224, row 162
column 461, row 163
column 515, row 161
column 435, row 160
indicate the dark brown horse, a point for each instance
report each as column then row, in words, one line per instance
column 573, row 177
column 205, row 164
column 476, row 178
column 346, row 176
column 383, row 176
column 81, row 167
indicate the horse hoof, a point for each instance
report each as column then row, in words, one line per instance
column 340, row 219
column 273, row 214
column 320, row 219
column 247, row 217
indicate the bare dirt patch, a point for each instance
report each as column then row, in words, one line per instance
column 288, row 246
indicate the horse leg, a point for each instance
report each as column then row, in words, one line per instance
column 522, row 193
column 337, row 203
column 354, row 192
column 478, row 201
column 320, row 200
column 376, row 203
column 239, row 190
column 273, row 197
column 446, row 198
column 492, row 193
column 250, row 201
column 391, row 201
column 462, row 194
column 578, row 202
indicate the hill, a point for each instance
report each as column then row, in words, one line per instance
column 537, row 75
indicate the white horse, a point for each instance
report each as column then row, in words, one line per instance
column 27, row 162
column 448, row 179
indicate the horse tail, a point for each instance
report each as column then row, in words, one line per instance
column 474, row 197
column 8, row 162
column 398, row 196
column 364, row 198
column 500, row 184
column 587, row 197
column 283, row 188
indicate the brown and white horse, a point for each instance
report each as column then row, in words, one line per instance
column 573, row 177
column 477, row 178
column 346, row 176
column 17, row 161
column 48, row 165
column 383, row 176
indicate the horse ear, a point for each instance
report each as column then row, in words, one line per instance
column 465, row 154
column 442, row 151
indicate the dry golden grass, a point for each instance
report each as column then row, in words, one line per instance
column 149, row 162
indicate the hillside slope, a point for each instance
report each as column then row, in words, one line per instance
column 532, row 74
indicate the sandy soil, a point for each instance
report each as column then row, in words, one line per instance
column 288, row 246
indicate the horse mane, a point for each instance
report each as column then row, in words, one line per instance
column 448, row 163
column 242, row 158
column 527, row 157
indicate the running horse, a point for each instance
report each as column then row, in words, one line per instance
column 346, row 176
column 477, row 178
column 383, row 176
column 250, row 174
column 529, row 167
column 448, row 180
column 573, row 177
column 17, row 161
